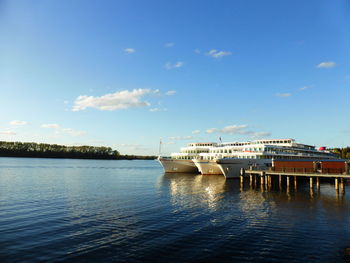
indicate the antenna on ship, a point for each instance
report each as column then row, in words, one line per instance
column 160, row 146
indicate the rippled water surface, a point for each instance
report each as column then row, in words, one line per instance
column 128, row 211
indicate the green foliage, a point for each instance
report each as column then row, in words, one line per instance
column 342, row 152
column 347, row 155
column 31, row 149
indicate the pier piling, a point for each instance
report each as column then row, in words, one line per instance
column 336, row 185
column 266, row 179
column 280, row 181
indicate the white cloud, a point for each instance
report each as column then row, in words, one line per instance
column 129, row 50
column 7, row 132
column 131, row 147
column 178, row 138
column 128, row 145
column 326, row 64
column 305, row 88
column 170, row 65
column 170, row 92
column 18, row 123
column 261, row 134
column 115, row 101
column 58, row 130
column 283, row 95
column 212, row 130
column 178, row 64
column 50, row 126
column 218, row 54
column 197, row 51
column 66, row 102
column 238, row 129
column 157, row 109
column 170, row 44
column 232, row 129
column 196, row 131
column 73, row 132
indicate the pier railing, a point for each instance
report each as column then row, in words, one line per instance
column 298, row 170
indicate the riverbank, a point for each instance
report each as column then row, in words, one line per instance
column 121, row 157
column 43, row 150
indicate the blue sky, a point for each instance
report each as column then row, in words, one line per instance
column 127, row 73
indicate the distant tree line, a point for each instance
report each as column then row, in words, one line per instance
column 342, row 152
column 44, row 150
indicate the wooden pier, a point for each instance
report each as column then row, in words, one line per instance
column 266, row 178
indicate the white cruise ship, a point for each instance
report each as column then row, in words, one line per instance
column 182, row 162
column 260, row 154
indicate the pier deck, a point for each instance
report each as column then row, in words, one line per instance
column 267, row 175
column 322, row 175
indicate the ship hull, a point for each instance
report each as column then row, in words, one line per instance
column 207, row 167
column 231, row 168
column 178, row 166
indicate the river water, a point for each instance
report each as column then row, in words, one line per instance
column 128, row 211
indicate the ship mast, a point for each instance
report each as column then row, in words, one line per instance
column 160, row 146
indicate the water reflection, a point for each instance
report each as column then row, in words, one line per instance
column 189, row 190
column 214, row 191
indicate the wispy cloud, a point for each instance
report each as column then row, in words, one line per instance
column 238, row 129
column 129, row 50
column 305, row 87
column 50, row 126
column 179, row 138
column 326, row 64
column 114, row 101
column 260, row 134
column 170, row 65
column 131, row 146
column 18, row 123
column 7, row 132
column 196, row 132
column 170, row 92
column 232, row 129
column 218, row 54
column 170, row 44
column 73, row 132
column 157, row 109
column 283, row 95
column 197, row 51
column 58, row 129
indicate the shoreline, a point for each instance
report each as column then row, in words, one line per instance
column 86, row 158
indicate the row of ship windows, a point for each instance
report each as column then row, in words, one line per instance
column 195, row 151
column 259, row 150
column 245, row 157
column 267, row 142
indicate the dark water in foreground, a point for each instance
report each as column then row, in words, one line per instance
column 128, row 211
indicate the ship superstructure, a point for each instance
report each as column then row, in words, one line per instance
column 261, row 153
